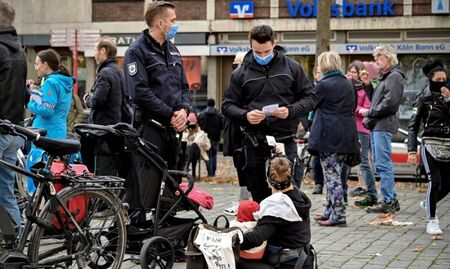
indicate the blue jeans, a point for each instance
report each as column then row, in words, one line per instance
column 8, row 152
column 381, row 150
column 364, row 167
column 212, row 156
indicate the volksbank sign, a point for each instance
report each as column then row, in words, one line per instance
column 299, row 8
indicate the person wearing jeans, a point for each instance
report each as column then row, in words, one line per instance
column 8, row 152
column 13, row 75
column 385, row 103
column 381, row 150
column 366, row 170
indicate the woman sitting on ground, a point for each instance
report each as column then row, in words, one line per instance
column 283, row 220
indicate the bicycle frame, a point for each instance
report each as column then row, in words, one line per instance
column 44, row 181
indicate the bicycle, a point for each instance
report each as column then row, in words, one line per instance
column 71, row 229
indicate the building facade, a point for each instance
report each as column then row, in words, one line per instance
column 211, row 32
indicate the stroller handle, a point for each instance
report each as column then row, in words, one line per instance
column 189, row 177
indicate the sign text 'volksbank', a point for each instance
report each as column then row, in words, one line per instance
column 299, row 8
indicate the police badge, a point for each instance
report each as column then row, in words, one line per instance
column 132, row 69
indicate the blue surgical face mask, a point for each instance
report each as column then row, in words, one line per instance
column 263, row 60
column 172, row 32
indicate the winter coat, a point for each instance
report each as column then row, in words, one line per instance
column 52, row 108
column 211, row 121
column 281, row 232
column 13, row 75
column 334, row 128
column 106, row 98
column 253, row 86
column 386, row 100
column 363, row 102
column 76, row 113
column 431, row 112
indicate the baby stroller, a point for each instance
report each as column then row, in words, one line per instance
column 163, row 232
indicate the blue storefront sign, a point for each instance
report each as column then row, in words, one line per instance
column 348, row 8
column 241, row 9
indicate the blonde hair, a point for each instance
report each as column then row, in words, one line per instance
column 279, row 170
column 329, row 61
column 239, row 58
column 388, row 52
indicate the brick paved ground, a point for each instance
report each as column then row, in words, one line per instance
column 361, row 245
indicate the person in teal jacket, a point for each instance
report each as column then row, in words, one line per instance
column 49, row 103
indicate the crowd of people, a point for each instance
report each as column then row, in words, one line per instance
column 352, row 119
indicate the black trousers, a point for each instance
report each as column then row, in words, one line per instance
column 438, row 174
column 255, row 167
column 192, row 157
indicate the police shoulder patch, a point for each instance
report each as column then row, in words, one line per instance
column 132, row 68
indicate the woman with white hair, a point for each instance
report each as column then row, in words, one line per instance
column 383, row 116
column 333, row 135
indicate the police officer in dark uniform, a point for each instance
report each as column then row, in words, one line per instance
column 266, row 77
column 158, row 86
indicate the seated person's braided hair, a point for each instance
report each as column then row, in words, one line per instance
column 279, row 172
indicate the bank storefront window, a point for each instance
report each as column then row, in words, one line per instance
column 415, row 81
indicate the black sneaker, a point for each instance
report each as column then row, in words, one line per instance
column 359, row 191
column 384, row 207
column 317, row 189
column 369, row 200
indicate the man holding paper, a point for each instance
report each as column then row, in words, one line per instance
column 267, row 95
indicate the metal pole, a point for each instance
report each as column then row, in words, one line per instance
column 75, row 63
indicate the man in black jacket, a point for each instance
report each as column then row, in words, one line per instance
column 266, row 77
column 158, row 86
column 105, row 100
column 13, row 74
column 211, row 121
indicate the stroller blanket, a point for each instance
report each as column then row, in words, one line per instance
column 199, row 196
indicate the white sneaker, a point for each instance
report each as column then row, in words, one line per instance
column 433, row 227
column 232, row 210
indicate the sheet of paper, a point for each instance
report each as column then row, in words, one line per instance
column 267, row 110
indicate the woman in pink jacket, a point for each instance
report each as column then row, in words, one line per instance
column 359, row 76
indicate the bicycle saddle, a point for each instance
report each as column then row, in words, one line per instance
column 58, row 147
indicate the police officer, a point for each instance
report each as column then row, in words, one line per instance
column 158, row 86
column 266, row 77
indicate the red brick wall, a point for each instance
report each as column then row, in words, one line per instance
column 117, row 11
column 134, row 11
column 284, row 12
column 261, row 9
column 421, row 7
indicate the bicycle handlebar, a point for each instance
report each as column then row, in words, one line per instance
column 7, row 127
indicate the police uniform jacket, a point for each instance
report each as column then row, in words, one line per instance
column 253, row 86
column 155, row 78
column 431, row 110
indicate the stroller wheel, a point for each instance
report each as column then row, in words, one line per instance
column 157, row 252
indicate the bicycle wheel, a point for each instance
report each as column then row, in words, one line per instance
column 157, row 252
column 103, row 224
column 20, row 182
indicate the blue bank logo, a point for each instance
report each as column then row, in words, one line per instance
column 222, row 49
column 351, row 48
column 241, row 9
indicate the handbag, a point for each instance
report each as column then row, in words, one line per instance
column 196, row 258
column 369, row 123
column 440, row 153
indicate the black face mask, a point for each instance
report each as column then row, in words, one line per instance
column 234, row 66
column 435, row 86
